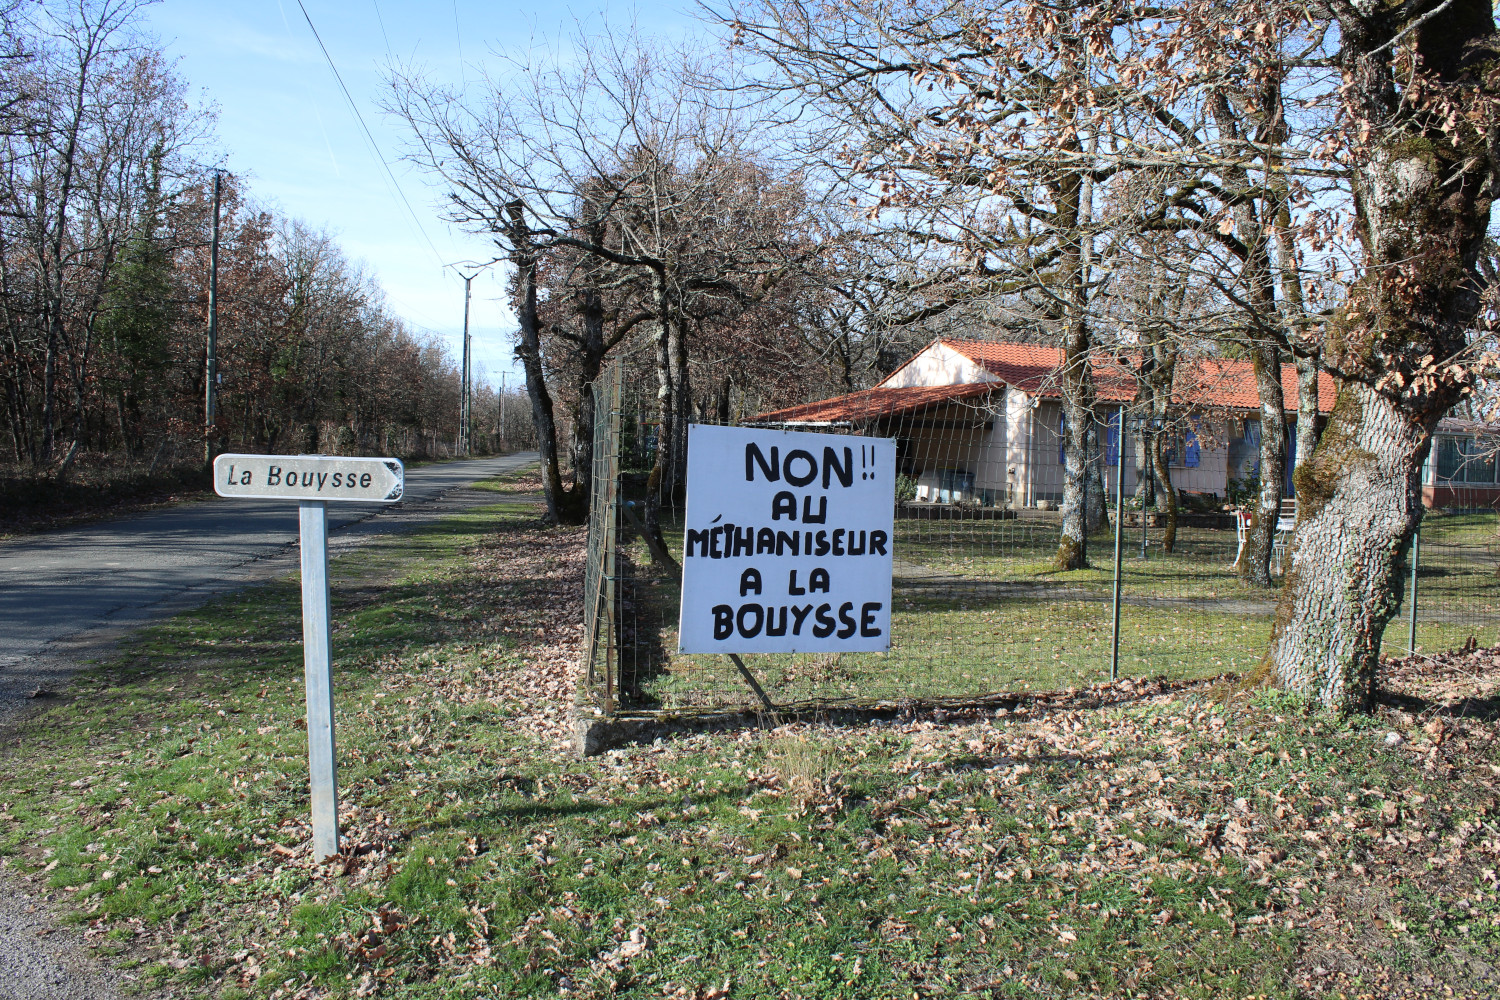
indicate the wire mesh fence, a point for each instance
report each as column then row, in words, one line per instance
column 1457, row 585
column 601, row 614
column 980, row 607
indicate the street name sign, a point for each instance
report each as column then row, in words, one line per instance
column 309, row 477
column 314, row 480
column 787, row 542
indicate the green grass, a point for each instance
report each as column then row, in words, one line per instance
column 1189, row 848
column 994, row 614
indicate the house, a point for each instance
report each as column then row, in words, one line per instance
column 982, row 421
column 1461, row 469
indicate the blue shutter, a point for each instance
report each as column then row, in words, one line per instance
column 1288, row 489
column 1062, row 440
column 1190, row 458
column 1112, row 439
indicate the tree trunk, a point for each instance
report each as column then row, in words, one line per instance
column 590, row 366
column 1145, row 486
column 1307, row 410
column 1166, row 493
column 529, row 350
column 1095, row 493
column 49, row 392
column 683, row 398
column 1255, row 567
column 1360, row 505
column 1076, row 378
column 1072, row 545
column 659, row 481
column 1423, row 188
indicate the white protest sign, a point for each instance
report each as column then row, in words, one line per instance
column 787, row 542
column 309, row 477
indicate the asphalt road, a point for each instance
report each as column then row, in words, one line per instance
column 58, row 586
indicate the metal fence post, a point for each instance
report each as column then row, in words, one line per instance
column 1114, row 653
column 1416, row 557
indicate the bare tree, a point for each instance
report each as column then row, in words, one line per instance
column 987, row 136
column 612, row 155
column 98, row 111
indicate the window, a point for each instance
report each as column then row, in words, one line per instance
column 1181, row 448
column 1465, row 460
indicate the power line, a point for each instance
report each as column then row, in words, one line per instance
column 369, row 136
column 458, row 36
column 381, row 21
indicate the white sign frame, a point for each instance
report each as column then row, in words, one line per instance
column 808, row 566
column 311, row 477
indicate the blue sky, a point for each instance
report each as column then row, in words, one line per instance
column 285, row 126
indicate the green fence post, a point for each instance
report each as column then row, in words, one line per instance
column 1416, row 556
column 1114, row 655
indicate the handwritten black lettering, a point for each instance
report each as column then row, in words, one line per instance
column 723, row 621
column 824, row 622
column 846, row 618
column 784, row 502
column 754, row 456
column 748, row 580
column 797, row 479
column 831, row 465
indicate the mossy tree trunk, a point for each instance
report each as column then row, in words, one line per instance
column 1423, row 185
column 1361, row 501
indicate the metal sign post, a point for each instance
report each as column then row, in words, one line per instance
column 313, row 480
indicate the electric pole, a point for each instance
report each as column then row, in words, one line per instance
column 502, row 411
column 464, row 393
column 211, row 364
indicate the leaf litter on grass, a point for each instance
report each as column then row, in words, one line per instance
column 1138, row 839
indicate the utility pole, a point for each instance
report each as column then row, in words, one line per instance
column 464, row 394
column 502, row 412
column 211, row 362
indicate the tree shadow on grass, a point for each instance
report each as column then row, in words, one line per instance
column 1479, row 709
column 540, row 811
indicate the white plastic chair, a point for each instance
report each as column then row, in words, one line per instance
column 1286, row 523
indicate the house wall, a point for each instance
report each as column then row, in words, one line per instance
column 1042, row 461
column 1046, row 470
column 1212, row 472
column 960, row 438
column 1018, row 455
column 1473, row 484
column 938, row 364
column 1017, row 446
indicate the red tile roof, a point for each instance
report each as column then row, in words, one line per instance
column 1211, row 383
column 872, row 404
